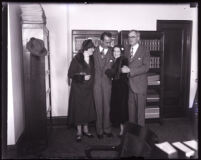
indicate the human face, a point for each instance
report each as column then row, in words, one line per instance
column 133, row 38
column 116, row 52
column 90, row 51
column 106, row 42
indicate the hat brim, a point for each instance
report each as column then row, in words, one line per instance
column 43, row 52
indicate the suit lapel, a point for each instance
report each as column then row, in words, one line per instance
column 129, row 53
column 106, row 57
column 98, row 56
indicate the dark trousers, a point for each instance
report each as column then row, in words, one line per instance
column 136, row 107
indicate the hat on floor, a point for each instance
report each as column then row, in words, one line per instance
column 36, row 47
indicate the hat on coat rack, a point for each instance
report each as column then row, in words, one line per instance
column 36, row 47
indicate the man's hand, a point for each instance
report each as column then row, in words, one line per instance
column 87, row 77
column 125, row 69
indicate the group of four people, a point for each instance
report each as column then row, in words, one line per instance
column 108, row 85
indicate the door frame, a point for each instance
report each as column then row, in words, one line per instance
column 4, row 80
column 187, row 67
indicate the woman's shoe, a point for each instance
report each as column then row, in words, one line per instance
column 79, row 138
column 88, row 134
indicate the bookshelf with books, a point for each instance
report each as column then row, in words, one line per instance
column 153, row 41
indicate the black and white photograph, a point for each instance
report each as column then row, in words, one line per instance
column 99, row 80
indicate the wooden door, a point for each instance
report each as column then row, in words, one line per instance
column 177, row 55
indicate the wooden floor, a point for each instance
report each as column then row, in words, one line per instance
column 62, row 142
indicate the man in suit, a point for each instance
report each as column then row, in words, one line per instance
column 139, row 59
column 103, row 60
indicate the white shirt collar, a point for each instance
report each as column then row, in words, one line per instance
column 135, row 47
column 101, row 49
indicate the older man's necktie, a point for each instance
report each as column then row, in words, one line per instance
column 132, row 53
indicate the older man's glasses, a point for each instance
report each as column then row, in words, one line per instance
column 130, row 37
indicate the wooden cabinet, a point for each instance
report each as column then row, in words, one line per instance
column 78, row 36
column 37, row 85
column 154, row 42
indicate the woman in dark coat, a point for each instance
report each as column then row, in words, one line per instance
column 119, row 97
column 81, row 103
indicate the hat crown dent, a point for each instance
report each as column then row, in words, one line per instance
column 36, row 47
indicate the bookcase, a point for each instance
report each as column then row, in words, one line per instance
column 154, row 42
column 37, row 84
column 78, row 36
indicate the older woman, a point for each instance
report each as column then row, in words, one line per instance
column 81, row 103
column 119, row 95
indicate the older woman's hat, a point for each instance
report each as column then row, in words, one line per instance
column 87, row 44
column 36, row 47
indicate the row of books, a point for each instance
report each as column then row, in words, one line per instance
column 154, row 62
column 187, row 149
column 32, row 13
column 152, row 95
column 153, row 79
column 154, row 83
column 152, row 112
column 151, row 44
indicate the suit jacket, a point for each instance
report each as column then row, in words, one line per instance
column 101, row 65
column 139, row 66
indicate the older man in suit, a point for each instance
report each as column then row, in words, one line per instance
column 139, row 59
column 103, row 59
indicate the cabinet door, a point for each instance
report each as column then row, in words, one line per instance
column 177, row 44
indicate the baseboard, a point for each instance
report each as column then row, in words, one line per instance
column 11, row 147
column 62, row 121
column 58, row 120
column 12, row 150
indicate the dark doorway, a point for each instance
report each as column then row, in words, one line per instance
column 177, row 58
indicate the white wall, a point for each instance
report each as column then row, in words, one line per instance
column 57, row 25
column 15, row 122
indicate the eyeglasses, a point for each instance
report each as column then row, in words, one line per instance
column 132, row 37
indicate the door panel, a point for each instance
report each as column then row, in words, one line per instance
column 176, row 66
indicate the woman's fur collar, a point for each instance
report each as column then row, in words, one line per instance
column 80, row 58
